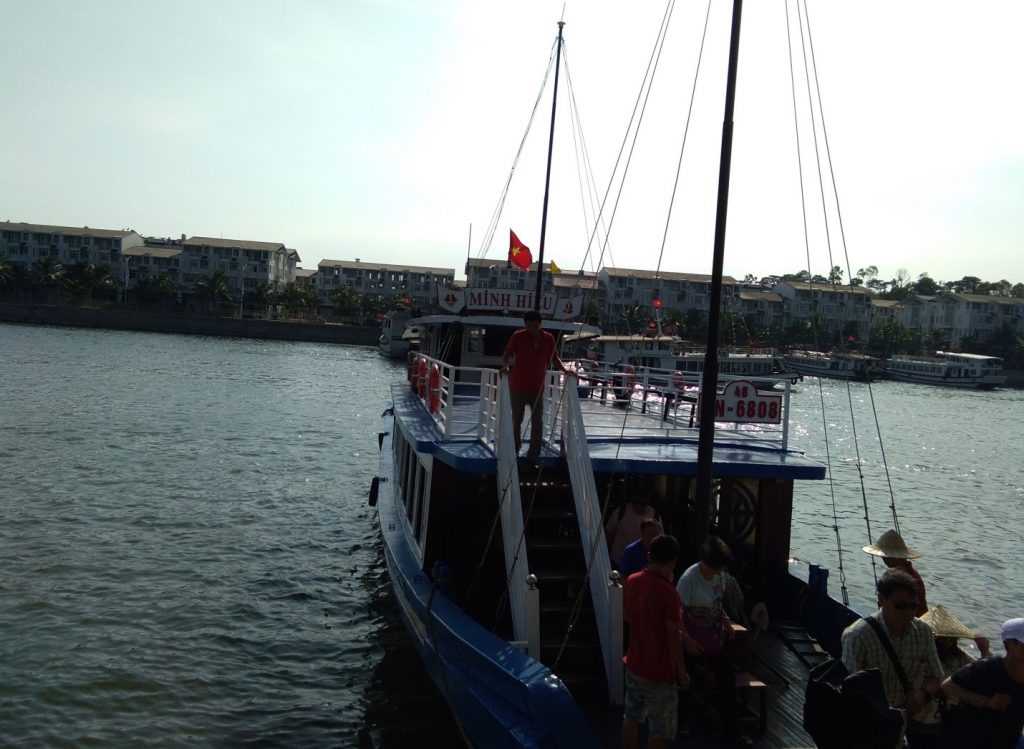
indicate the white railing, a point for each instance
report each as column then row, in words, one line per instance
column 657, row 401
column 522, row 595
column 607, row 597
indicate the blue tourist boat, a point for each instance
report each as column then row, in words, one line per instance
column 501, row 570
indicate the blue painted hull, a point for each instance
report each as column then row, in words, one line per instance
column 499, row 696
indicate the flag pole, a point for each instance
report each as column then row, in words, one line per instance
column 547, row 177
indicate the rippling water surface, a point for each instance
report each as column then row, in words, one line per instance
column 187, row 553
column 188, row 558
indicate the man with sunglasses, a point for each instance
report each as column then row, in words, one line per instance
column 914, row 682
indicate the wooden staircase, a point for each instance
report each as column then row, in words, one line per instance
column 570, row 645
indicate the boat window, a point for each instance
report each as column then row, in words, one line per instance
column 417, row 513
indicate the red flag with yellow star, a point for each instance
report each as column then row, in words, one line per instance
column 518, row 253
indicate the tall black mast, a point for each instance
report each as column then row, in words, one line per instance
column 709, row 384
column 547, row 178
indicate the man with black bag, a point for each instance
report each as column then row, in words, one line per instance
column 902, row 648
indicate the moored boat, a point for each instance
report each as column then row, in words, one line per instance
column 393, row 342
column 843, row 365
column 948, row 369
column 670, row 354
column 501, row 572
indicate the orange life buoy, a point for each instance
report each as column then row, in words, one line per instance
column 421, row 377
column 434, row 402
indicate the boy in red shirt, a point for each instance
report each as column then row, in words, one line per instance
column 654, row 663
column 534, row 351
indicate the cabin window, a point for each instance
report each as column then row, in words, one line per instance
column 415, row 516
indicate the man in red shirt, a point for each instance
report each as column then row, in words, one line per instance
column 654, row 662
column 533, row 350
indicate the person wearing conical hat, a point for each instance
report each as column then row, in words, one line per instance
column 948, row 632
column 895, row 554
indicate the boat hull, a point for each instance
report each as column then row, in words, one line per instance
column 499, row 696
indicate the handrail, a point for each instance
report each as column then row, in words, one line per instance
column 525, row 626
column 607, row 598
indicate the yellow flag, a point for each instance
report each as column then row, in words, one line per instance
column 555, row 268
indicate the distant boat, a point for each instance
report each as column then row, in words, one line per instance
column 661, row 357
column 949, row 369
column 392, row 342
column 841, row 365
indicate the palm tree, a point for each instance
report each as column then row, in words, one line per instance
column 157, row 289
column 633, row 319
column 297, row 297
column 46, row 275
column 7, row 272
column 261, row 297
column 214, row 289
column 347, row 301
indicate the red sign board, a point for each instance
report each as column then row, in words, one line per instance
column 740, row 401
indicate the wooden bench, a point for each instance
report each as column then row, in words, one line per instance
column 750, row 689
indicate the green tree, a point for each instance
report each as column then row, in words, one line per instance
column 158, row 289
column 633, row 319
column 261, row 297
column 346, row 300
column 835, row 275
column 926, row 286
column 7, row 273
column 46, row 275
column 213, row 290
column 296, row 297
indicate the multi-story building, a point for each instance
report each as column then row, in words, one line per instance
column 839, row 310
column 380, row 281
column 500, row 274
column 245, row 263
column 763, row 310
column 627, row 287
column 24, row 244
column 956, row 317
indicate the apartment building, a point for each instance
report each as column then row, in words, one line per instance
column 500, row 274
column 24, row 244
column 626, row 287
column 380, row 281
column 245, row 263
column 836, row 307
column 961, row 316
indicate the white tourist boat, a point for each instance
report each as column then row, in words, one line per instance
column 842, row 365
column 675, row 355
column 947, row 368
column 393, row 341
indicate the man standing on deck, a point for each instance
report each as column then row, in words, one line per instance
column 654, row 662
column 911, row 673
column 897, row 556
column 533, row 352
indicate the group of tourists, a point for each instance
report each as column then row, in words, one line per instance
column 950, row 700
column 673, row 625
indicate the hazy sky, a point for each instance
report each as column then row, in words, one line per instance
column 384, row 129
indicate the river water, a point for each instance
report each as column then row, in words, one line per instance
column 188, row 558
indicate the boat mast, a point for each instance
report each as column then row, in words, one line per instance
column 709, row 384
column 547, row 178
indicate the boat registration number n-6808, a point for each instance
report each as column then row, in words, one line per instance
column 740, row 401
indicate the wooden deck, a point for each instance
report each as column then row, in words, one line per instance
column 785, row 677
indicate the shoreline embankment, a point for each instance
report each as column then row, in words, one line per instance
column 159, row 322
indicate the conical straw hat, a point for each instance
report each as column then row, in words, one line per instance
column 944, row 624
column 890, row 544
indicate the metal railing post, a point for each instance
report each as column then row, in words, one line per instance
column 616, row 680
